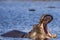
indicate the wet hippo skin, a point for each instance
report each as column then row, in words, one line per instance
column 39, row 31
column 14, row 34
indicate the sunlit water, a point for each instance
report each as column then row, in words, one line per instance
column 16, row 16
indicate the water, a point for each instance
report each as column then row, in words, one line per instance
column 16, row 16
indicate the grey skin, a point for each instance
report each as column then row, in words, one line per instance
column 39, row 31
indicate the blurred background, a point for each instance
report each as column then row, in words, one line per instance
column 23, row 14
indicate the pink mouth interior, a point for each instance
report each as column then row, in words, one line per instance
column 45, row 29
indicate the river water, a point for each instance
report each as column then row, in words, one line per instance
column 18, row 16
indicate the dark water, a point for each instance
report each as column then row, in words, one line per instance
column 16, row 16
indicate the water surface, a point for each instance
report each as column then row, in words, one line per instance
column 16, row 16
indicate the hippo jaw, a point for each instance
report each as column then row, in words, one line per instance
column 40, row 33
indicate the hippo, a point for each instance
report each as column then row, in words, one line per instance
column 40, row 31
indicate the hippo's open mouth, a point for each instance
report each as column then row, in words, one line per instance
column 45, row 30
